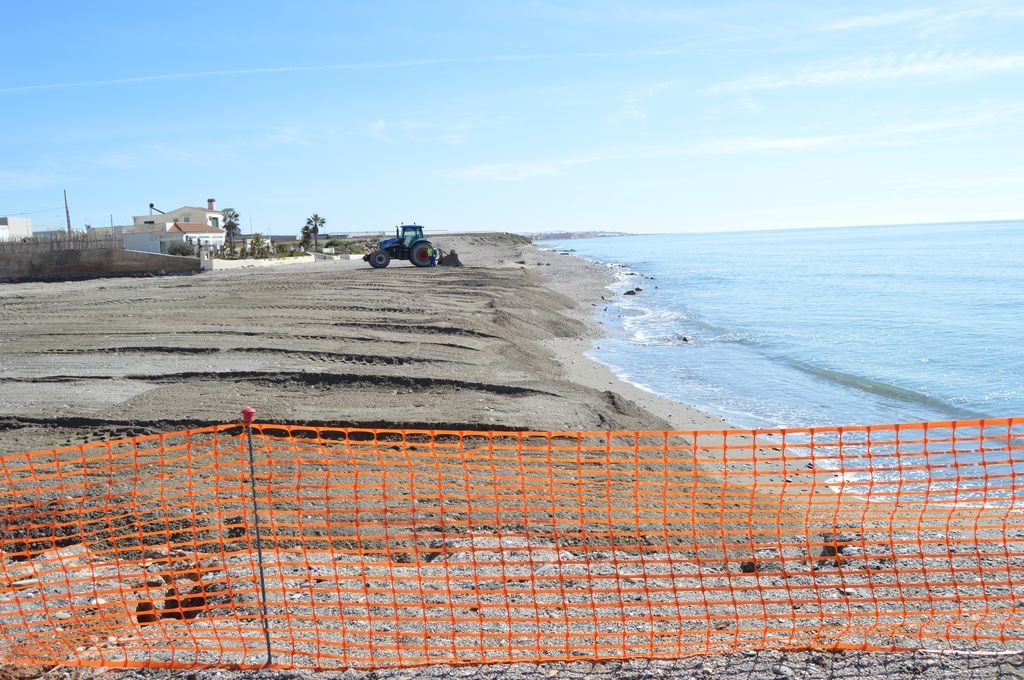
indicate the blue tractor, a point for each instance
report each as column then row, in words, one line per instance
column 407, row 244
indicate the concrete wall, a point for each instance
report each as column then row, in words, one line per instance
column 151, row 241
column 157, row 241
column 213, row 263
column 79, row 264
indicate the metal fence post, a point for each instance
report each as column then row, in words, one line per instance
column 248, row 414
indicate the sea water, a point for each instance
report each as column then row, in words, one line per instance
column 820, row 326
column 829, row 327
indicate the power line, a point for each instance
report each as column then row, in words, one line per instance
column 32, row 212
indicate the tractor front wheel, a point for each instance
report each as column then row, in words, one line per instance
column 419, row 254
column 379, row 259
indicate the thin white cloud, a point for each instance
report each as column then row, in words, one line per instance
column 754, row 144
column 877, row 20
column 378, row 129
column 873, row 68
column 930, row 21
column 440, row 131
column 364, row 66
column 1009, row 179
column 289, row 135
column 511, row 172
column 635, row 104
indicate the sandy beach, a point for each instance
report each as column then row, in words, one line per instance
column 496, row 345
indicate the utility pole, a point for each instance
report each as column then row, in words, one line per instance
column 67, row 212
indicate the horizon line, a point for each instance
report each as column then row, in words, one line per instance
column 617, row 232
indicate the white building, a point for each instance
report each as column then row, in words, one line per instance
column 209, row 216
column 156, row 238
column 15, row 228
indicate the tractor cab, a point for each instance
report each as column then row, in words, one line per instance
column 410, row 234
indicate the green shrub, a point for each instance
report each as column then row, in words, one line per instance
column 181, row 248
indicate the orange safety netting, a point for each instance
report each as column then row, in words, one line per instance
column 371, row 548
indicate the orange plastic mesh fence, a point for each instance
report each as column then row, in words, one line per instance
column 398, row 548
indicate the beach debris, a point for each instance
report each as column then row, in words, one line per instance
column 763, row 560
column 783, row 671
column 25, row 583
column 761, row 563
column 835, row 542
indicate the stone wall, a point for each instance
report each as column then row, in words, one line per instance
column 84, row 264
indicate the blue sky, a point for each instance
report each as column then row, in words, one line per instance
column 634, row 116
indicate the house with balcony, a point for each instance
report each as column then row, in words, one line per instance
column 187, row 214
column 201, row 228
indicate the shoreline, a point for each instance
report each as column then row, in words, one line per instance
column 578, row 367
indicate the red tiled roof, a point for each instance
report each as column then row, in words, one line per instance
column 196, row 228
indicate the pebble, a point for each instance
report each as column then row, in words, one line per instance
column 154, row 581
column 62, row 616
column 25, row 583
column 97, row 600
column 784, row 671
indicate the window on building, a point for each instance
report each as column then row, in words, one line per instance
column 214, row 222
column 187, row 218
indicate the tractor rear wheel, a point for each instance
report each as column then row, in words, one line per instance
column 419, row 254
column 379, row 259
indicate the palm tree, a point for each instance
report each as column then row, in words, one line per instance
column 315, row 223
column 306, row 236
column 231, row 226
column 257, row 245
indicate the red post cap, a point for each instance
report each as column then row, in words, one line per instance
column 248, row 413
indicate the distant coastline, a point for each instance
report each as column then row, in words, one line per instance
column 563, row 235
